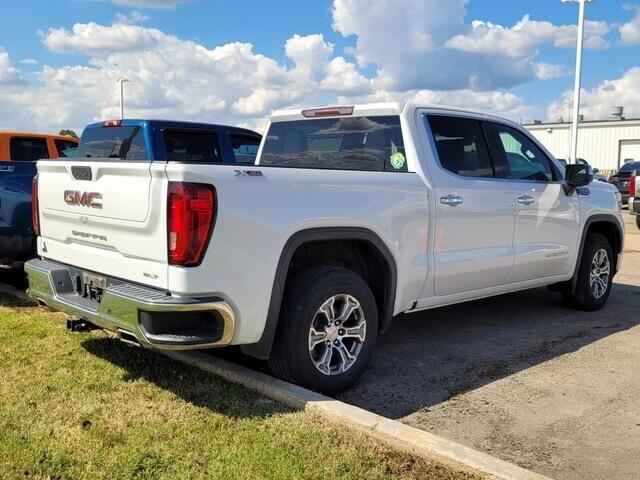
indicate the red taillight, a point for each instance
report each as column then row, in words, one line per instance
column 35, row 214
column 112, row 123
column 632, row 185
column 191, row 213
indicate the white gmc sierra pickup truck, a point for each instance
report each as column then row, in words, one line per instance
column 349, row 216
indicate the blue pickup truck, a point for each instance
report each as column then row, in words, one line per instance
column 164, row 140
column 19, row 152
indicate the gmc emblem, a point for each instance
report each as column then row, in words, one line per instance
column 82, row 199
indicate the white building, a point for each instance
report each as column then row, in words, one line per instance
column 605, row 144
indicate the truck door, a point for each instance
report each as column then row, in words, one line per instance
column 546, row 233
column 474, row 210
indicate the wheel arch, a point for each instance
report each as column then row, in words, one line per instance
column 607, row 225
column 302, row 238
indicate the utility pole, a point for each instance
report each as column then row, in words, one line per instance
column 122, row 81
column 578, row 74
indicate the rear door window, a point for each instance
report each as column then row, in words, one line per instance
column 461, row 146
column 245, row 148
column 347, row 143
column 28, row 149
column 123, row 143
column 66, row 148
column 189, row 146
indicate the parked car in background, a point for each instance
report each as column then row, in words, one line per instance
column 350, row 215
column 19, row 152
column 622, row 178
column 634, row 195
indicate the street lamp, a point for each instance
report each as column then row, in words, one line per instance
column 122, row 81
column 576, row 86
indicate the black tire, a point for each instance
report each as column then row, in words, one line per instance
column 583, row 297
column 638, row 221
column 290, row 356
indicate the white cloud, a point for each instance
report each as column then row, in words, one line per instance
column 29, row 61
column 525, row 37
column 9, row 75
column 401, row 44
column 309, row 53
column 170, row 78
column 136, row 17
column 406, row 40
column 342, row 77
column 548, row 71
column 630, row 31
column 596, row 104
column 92, row 38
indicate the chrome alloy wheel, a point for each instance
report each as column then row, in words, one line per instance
column 337, row 334
column 599, row 275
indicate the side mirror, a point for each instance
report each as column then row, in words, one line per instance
column 577, row 175
column 596, row 171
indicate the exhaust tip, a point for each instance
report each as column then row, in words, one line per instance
column 128, row 338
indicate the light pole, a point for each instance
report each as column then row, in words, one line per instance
column 122, row 81
column 576, row 86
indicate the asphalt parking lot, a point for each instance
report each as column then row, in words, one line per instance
column 522, row 377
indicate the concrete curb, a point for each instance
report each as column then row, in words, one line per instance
column 391, row 432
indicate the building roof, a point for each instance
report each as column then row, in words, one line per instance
column 585, row 123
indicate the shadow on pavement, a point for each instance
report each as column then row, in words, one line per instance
column 428, row 357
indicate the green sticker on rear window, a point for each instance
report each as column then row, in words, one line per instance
column 397, row 160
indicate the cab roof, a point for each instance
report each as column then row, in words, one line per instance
column 161, row 124
column 381, row 108
column 18, row 133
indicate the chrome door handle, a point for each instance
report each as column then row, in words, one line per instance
column 526, row 200
column 451, row 200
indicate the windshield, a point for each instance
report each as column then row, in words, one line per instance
column 346, row 143
column 124, row 142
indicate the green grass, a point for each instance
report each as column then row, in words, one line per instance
column 86, row 406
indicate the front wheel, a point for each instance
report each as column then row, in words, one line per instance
column 638, row 221
column 595, row 275
column 327, row 330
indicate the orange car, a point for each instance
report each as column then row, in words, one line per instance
column 26, row 146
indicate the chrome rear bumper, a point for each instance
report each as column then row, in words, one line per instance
column 157, row 320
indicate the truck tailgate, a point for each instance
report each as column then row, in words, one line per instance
column 96, row 215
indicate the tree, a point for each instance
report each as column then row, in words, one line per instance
column 68, row 133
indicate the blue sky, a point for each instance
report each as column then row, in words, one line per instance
column 517, row 71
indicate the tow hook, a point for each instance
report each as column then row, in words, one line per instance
column 76, row 324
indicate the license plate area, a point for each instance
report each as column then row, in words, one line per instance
column 92, row 287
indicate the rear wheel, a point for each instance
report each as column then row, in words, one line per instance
column 595, row 275
column 327, row 330
column 638, row 220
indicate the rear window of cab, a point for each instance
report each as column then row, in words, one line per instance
column 123, row 142
column 346, row 143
